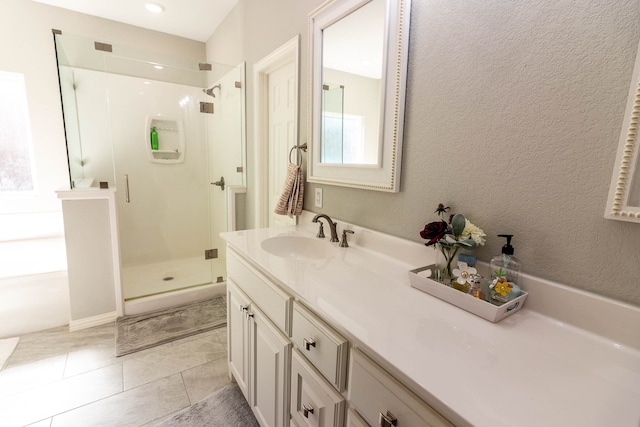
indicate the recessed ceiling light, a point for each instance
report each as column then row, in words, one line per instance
column 158, row 67
column 153, row 7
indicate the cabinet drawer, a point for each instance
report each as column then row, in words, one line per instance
column 273, row 301
column 314, row 402
column 325, row 348
column 375, row 393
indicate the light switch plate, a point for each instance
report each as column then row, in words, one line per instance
column 318, row 198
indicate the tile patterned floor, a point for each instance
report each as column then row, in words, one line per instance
column 58, row 378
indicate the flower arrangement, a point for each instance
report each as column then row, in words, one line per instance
column 450, row 237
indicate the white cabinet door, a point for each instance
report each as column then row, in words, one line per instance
column 270, row 362
column 238, row 336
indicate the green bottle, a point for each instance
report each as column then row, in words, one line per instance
column 154, row 138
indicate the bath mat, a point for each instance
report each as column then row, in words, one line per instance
column 7, row 346
column 140, row 331
column 226, row 407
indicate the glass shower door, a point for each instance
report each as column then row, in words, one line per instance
column 163, row 194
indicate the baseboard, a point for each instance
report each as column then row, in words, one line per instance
column 88, row 322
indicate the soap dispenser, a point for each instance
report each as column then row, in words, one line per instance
column 154, row 138
column 505, row 274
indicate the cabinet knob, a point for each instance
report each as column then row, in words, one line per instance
column 387, row 420
column 307, row 409
column 243, row 307
column 308, row 343
column 250, row 314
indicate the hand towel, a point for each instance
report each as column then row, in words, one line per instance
column 290, row 202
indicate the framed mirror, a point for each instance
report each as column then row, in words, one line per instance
column 623, row 202
column 357, row 77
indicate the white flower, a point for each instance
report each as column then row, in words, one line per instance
column 472, row 232
column 464, row 273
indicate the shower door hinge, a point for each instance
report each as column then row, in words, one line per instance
column 206, row 107
column 203, row 66
column 239, row 85
column 210, row 253
column 106, row 47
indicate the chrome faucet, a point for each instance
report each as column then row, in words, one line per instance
column 332, row 226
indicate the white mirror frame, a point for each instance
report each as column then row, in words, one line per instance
column 626, row 174
column 386, row 175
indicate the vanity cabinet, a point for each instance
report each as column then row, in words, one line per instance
column 296, row 369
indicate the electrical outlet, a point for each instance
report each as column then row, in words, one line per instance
column 318, row 198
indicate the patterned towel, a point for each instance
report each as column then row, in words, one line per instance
column 290, row 202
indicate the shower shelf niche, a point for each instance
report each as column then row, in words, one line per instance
column 170, row 139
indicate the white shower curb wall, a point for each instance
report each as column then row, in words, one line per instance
column 173, row 298
column 74, row 257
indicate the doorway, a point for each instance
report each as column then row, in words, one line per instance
column 276, row 128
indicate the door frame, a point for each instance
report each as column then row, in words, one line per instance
column 289, row 51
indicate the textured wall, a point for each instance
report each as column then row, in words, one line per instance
column 513, row 115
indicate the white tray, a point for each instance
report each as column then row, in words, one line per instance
column 479, row 307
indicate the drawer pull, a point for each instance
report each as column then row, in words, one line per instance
column 307, row 409
column 249, row 314
column 243, row 307
column 387, row 420
column 308, row 343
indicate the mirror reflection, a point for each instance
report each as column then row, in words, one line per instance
column 352, row 85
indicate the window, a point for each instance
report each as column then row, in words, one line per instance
column 15, row 135
column 343, row 138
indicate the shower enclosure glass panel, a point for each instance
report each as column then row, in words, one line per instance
column 169, row 214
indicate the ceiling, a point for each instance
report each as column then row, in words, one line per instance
column 193, row 19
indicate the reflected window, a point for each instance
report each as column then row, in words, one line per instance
column 344, row 141
column 15, row 135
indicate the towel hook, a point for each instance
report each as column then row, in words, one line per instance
column 302, row 147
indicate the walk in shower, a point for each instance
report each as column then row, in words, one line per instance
column 165, row 132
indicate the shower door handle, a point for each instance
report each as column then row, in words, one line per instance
column 126, row 188
column 220, row 183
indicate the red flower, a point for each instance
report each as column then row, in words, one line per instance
column 434, row 231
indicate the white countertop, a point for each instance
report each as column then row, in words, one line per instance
column 526, row 370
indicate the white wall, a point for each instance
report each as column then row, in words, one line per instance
column 513, row 116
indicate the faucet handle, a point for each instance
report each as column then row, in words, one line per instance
column 343, row 243
column 334, row 233
column 320, row 234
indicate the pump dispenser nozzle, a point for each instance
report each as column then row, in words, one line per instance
column 507, row 249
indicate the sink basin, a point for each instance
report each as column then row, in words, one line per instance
column 298, row 247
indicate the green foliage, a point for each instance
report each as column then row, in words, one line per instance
column 500, row 273
column 457, row 224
